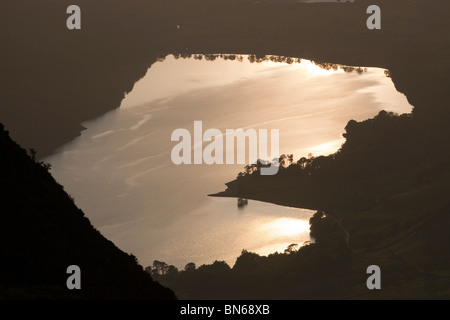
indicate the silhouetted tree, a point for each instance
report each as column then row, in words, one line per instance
column 190, row 266
column 291, row 248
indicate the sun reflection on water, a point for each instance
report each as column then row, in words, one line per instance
column 286, row 227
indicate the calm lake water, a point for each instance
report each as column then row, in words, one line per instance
column 121, row 174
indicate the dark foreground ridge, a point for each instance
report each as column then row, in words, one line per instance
column 42, row 232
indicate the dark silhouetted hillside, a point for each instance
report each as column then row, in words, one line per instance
column 320, row 270
column 388, row 186
column 42, row 232
column 382, row 199
column 79, row 75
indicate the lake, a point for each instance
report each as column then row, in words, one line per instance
column 121, row 175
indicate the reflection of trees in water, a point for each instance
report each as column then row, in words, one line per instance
column 253, row 58
column 335, row 67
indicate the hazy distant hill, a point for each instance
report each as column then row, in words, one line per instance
column 42, row 232
column 53, row 79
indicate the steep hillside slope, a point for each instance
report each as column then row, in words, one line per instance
column 42, row 232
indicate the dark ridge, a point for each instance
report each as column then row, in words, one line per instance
column 42, row 232
column 54, row 79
